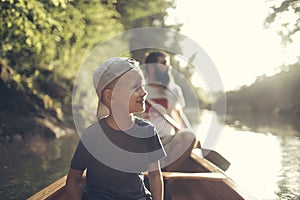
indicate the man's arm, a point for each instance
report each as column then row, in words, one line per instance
column 73, row 190
column 177, row 112
column 156, row 181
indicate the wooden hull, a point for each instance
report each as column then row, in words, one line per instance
column 196, row 179
column 198, row 189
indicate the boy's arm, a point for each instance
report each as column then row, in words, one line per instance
column 156, row 181
column 73, row 190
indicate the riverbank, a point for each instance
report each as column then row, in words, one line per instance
column 18, row 127
column 284, row 124
column 29, row 108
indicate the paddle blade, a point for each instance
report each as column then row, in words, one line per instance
column 216, row 159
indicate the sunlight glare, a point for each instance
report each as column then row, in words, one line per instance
column 257, row 150
column 182, row 62
column 198, row 82
column 233, row 36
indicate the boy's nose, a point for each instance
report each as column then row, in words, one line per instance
column 143, row 92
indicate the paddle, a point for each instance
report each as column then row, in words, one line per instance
column 211, row 155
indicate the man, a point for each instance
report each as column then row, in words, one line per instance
column 167, row 97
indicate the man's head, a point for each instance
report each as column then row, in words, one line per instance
column 157, row 68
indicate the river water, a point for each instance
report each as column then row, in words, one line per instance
column 28, row 166
column 266, row 165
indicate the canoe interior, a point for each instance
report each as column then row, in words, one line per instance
column 175, row 189
column 199, row 189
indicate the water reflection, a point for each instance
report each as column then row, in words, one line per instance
column 275, row 124
column 30, row 165
column 265, row 154
column 289, row 176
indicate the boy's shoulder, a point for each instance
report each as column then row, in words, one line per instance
column 92, row 130
column 145, row 126
column 93, row 126
column 143, row 122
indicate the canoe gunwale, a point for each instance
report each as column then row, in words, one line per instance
column 213, row 174
column 50, row 192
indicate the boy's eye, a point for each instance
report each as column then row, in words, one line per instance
column 137, row 87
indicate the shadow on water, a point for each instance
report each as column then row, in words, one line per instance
column 28, row 166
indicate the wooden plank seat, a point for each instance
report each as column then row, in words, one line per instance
column 196, row 176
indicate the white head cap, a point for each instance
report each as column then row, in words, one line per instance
column 109, row 71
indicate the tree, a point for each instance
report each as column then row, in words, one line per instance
column 54, row 35
column 44, row 43
column 287, row 14
column 139, row 14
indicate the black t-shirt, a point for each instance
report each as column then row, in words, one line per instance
column 115, row 159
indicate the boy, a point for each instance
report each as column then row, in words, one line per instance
column 117, row 148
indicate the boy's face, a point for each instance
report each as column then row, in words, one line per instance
column 129, row 94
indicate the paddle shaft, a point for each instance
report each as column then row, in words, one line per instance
column 210, row 155
column 167, row 117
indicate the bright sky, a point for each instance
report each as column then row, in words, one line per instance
column 231, row 32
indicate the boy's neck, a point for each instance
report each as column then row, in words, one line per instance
column 121, row 124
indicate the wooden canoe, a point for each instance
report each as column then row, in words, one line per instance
column 196, row 179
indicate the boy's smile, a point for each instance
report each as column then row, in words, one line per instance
column 129, row 92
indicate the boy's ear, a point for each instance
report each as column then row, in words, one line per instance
column 107, row 95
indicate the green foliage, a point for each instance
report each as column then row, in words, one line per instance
column 94, row 23
column 26, row 27
column 56, row 35
column 52, row 37
column 138, row 14
column 45, row 43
